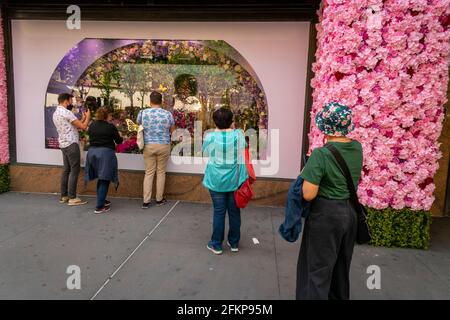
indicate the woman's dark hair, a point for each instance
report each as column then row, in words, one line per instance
column 63, row 97
column 91, row 104
column 223, row 118
column 102, row 114
column 91, row 101
column 155, row 98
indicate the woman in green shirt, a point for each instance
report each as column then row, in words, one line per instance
column 224, row 174
column 330, row 228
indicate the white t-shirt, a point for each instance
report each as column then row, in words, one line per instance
column 67, row 133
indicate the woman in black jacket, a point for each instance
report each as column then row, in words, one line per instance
column 101, row 160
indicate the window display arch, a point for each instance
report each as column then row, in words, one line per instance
column 120, row 74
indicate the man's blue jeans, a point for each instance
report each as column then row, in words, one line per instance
column 102, row 191
column 224, row 202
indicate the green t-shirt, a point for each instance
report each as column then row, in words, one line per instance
column 323, row 170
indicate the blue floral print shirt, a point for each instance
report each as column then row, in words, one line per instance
column 156, row 123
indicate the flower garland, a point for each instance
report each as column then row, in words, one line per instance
column 4, row 136
column 388, row 61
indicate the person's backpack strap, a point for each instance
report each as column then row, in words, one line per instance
column 363, row 231
column 344, row 168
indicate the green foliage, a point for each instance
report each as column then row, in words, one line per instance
column 144, row 85
column 210, row 79
column 182, row 58
column 105, row 82
column 5, row 179
column 248, row 118
column 404, row 228
column 186, row 85
column 104, row 74
column 225, row 99
column 130, row 78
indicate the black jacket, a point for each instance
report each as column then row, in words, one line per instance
column 103, row 134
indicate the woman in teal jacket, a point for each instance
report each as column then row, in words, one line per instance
column 224, row 174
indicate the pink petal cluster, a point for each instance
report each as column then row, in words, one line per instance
column 388, row 61
column 4, row 143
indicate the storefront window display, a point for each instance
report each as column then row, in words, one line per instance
column 195, row 78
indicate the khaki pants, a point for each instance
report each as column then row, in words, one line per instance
column 155, row 157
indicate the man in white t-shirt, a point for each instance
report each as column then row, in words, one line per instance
column 67, row 125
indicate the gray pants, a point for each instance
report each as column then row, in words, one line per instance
column 69, row 178
column 323, row 269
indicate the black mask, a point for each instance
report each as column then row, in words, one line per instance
column 70, row 107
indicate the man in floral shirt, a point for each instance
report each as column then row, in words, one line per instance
column 158, row 125
column 67, row 125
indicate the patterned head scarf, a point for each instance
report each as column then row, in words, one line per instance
column 335, row 119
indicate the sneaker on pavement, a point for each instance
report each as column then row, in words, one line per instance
column 214, row 250
column 107, row 203
column 102, row 210
column 63, row 199
column 146, row 205
column 233, row 249
column 76, row 202
column 161, row 202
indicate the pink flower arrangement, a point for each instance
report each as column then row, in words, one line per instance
column 4, row 143
column 128, row 146
column 185, row 120
column 388, row 61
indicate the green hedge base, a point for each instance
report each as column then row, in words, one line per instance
column 404, row 228
column 5, row 179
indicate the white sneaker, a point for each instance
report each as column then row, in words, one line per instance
column 76, row 202
column 102, row 210
column 235, row 249
column 214, row 250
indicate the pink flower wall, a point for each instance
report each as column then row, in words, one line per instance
column 388, row 61
column 4, row 144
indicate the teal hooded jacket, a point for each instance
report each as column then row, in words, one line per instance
column 224, row 173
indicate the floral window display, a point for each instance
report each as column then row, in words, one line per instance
column 194, row 77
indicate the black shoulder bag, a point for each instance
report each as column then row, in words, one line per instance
column 363, row 232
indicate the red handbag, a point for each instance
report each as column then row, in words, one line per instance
column 244, row 193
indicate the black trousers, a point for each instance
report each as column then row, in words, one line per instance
column 326, row 251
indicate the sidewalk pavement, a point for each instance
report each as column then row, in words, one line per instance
column 160, row 253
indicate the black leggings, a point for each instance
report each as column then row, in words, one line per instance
column 323, row 268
